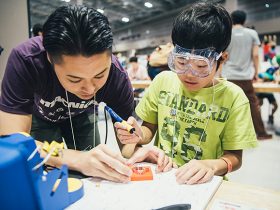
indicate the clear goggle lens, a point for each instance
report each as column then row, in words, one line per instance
column 199, row 62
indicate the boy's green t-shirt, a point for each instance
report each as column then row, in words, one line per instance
column 199, row 124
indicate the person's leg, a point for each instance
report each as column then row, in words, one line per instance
column 260, row 98
column 248, row 89
column 42, row 130
column 273, row 103
column 84, row 127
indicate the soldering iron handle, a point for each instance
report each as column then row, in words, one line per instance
column 116, row 117
column 129, row 128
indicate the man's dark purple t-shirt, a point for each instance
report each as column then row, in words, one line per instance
column 30, row 86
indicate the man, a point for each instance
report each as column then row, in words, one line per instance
column 51, row 84
column 242, row 67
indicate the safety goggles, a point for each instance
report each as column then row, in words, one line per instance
column 199, row 61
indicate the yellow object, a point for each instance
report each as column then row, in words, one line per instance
column 129, row 128
column 73, row 184
column 58, row 147
column 25, row 134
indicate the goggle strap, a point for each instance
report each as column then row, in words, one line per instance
column 218, row 57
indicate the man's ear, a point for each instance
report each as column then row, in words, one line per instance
column 49, row 59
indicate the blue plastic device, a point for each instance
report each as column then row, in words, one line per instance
column 23, row 188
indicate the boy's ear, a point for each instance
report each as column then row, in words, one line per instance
column 224, row 57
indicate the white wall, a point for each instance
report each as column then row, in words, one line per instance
column 266, row 26
column 13, row 27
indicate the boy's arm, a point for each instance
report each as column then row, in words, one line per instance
column 149, row 131
column 220, row 166
column 200, row 171
column 144, row 133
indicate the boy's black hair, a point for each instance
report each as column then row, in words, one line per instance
column 133, row 59
column 36, row 29
column 238, row 17
column 76, row 30
column 203, row 25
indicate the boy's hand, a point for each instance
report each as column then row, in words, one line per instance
column 124, row 136
column 194, row 172
column 153, row 155
column 104, row 163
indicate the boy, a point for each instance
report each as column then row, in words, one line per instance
column 202, row 123
column 51, row 83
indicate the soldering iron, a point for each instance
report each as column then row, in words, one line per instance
column 117, row 118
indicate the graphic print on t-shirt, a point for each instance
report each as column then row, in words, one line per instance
column 57, row 109
column 182, row 134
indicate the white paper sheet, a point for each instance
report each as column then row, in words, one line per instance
column 145, row 195
column 226, row 205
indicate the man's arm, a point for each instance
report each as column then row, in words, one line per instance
column 255, row 57
column 14, row 123
column 98, row 162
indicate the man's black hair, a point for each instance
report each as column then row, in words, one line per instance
column 238, row 17
column 203, row 25
column 36, row 29
column 133, row 59
column 76, row 30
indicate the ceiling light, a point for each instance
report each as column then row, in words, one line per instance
column 125, row 19
column 66, row 0
column 266, row 5
column 100, row 10
column 148, row 4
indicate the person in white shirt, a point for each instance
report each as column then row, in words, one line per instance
column 137, row 72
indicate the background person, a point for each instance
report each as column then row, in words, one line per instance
column 242, row 66
column 37, row 30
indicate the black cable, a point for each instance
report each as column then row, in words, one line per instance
column 106, row 133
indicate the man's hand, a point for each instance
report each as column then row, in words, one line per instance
column 194, row 172
column 104, row 163
column 153, row 155
column 124, row 136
